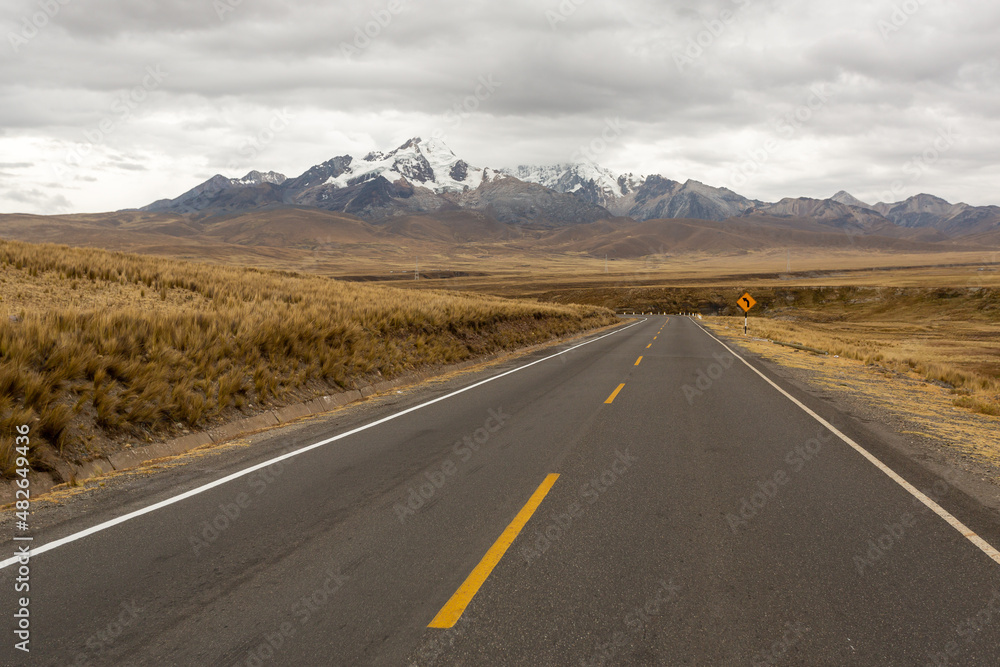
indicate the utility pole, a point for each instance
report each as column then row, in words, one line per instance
column 788, row 262
column 416, row 270
column 605, row 264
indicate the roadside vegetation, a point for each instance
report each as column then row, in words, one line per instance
column 101, row 349
column 950, row 336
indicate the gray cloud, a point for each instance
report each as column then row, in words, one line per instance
column 697, row 86
column 37, row 198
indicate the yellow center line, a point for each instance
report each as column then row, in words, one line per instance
column 654, row 337
column 455, row 607
column 611, row 398
column 649, row 346
column 638, row 360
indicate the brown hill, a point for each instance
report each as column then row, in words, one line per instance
column 107, row 230
column 449, row 227
column 290, row 228
column 297, row 237
column 756, row 232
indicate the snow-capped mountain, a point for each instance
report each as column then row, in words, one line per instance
column 424, row 176
column 417, row 177
column 256, row 178
column 638, row 197
column 590, row 181
column 421, row 177
column 429, row 164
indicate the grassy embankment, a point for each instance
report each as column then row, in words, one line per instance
column 100, row 349
column 950, row 336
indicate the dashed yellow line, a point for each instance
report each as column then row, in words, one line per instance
column 611, row 398
column 638, row 360
column 455, row 607
column 649, row 346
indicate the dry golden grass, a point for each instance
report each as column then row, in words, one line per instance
column 583, row 278
column 946, row 336
column 97, row 348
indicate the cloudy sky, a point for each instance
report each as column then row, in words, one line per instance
column 113, row 104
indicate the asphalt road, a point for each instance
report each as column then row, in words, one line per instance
column 700, row 517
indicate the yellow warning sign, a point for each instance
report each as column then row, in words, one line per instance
column 747, row 302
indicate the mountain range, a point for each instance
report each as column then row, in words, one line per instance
column 421, row 200
column 426, row 178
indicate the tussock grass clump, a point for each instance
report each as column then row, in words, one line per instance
column 121, row 346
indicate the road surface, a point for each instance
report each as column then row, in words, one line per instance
column 644, row 498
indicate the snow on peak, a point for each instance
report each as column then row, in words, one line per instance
column 430, row 164
column 577, row 176
column 256, row 178
column 630, row 182
column 435, row 146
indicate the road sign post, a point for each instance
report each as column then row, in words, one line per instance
column 746, row 302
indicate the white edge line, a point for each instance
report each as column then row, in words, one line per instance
column 966, row 532
column 49, row 546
